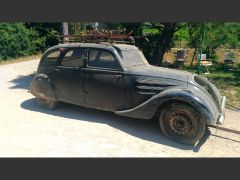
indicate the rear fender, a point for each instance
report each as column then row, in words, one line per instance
column 41, row 87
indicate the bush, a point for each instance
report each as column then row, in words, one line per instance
column 50, row 32
column 16, row 41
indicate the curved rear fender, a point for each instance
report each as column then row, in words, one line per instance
column 148, row 109
column 41, row 87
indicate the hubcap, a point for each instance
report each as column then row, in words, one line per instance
column 180, row 123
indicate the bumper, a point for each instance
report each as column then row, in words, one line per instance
column 222, row 116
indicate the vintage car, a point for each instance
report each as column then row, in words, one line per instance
column 116, row 77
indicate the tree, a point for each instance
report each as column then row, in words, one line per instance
column 194, row 38
column 216, row 35
column 16, row 40
column 213, row 38
column 160, row 39
column 164, row 40
column 48, row 31
column 232, row 35
column 65, row 28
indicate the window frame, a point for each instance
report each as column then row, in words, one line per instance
column 44, row 58
column 65, row 51
column 104, row 68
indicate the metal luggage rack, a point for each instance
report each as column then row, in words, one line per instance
column 105, row 36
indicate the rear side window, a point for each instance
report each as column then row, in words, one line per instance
column 74, row 58
column 102, row 59
column 51, row 58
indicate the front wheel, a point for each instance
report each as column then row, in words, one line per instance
column 182, row 123
column 50, row 104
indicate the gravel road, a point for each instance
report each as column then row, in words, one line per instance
column 27, row 129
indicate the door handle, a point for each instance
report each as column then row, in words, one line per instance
column 56, row 69
column 119, row 75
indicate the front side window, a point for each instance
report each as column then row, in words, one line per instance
column 74, row 58
column 51, row 58
column 102, row 59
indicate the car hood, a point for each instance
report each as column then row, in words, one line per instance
column 161, row 72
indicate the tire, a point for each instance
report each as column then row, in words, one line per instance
column 49, row 104
column 182, row 123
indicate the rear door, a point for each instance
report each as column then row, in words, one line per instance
column 104, row 85
column 68, row 75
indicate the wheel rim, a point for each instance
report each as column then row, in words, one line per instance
column 181, row 124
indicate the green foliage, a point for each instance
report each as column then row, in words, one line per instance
column 231, row 33
column 49, row 33
column 229, row 85
column 181, row 37
column 22, row 39
column 16, row 40
column 216, row 35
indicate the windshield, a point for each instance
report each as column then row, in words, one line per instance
column 132, row 57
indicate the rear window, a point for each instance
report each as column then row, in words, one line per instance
column 51, row 58
column 74, row 57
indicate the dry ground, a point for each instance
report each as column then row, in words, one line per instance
column 26, row 129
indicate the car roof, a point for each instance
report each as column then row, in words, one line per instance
column 109, row 46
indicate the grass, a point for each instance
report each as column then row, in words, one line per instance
column 228, row 82
column 229, row 85
column 21, row 59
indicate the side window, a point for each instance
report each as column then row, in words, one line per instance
column 74, row 58
column 51, row 58
column 103, row 59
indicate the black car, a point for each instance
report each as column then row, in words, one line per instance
column 118, row 78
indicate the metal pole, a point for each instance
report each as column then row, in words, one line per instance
column 201, row 47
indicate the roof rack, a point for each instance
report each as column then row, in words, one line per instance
column 105, row 36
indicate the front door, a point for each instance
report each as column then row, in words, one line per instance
column 68, row 76
column 104, row 86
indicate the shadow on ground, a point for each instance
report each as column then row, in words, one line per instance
column 145, row 129
column 22, row 82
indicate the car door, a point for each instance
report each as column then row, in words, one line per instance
column 68, row 75
column 104, row 85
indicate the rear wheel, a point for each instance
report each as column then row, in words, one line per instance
column 50, row 104
column 182, row 123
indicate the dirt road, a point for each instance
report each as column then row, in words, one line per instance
column 26, row 129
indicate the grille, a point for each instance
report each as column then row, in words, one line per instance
column 206, row 85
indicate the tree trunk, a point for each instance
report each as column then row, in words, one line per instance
column 194, row 54
column 65, row 28
column 65, row 32
column 163, row 43
column 208, row 51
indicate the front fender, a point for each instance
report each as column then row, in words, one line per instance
column 148, row 109
column 41, row 87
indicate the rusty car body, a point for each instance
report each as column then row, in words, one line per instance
column 118, row 78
